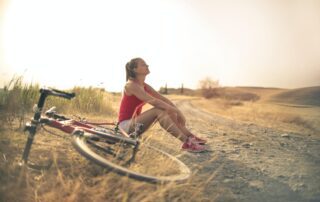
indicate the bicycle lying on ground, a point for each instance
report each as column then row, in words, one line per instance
column 109, row 147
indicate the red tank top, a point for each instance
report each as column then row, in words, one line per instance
column 130, row 106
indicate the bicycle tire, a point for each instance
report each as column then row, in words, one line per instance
column 81, row 144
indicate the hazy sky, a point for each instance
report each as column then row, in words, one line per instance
column 62, row 43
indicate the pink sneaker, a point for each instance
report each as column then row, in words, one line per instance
column 198, row 140
column 190, row 146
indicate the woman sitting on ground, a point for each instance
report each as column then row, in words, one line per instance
column 136, row 93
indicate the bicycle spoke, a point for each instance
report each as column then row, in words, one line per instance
column 104, row 148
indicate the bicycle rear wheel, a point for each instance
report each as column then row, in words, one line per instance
column 149, row 164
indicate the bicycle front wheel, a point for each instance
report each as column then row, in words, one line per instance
column 149, row 163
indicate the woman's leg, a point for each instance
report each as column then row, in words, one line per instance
column 147, row 118
column 181, row 127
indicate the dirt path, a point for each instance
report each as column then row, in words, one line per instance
column 248, row 162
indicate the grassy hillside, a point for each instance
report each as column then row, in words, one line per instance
column 237, row 93
column 263, row 92
column 300, row 96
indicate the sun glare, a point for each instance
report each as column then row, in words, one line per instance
column 64, row 43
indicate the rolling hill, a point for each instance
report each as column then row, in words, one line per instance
column 300, row 96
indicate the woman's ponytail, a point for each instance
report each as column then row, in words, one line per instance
column 130, row 66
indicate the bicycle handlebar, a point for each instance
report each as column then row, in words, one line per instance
column 58, row 93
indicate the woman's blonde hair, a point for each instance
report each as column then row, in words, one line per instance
column 130, row 66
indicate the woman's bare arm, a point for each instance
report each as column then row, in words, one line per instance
column 154, row 93
column 158, row 95
column 138, row 91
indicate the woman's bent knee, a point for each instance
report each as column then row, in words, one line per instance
column 160, row 113
column 157, row 111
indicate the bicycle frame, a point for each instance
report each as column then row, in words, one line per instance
column 64, row 124
column 72, row 126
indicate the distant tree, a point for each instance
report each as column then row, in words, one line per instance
column 164, row 90
column 181, row 89
column 209, row 87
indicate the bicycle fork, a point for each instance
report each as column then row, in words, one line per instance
column 31, row 127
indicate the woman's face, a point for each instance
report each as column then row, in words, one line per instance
column 142, row 68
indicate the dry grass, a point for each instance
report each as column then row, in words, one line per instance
column 283, row 117
column 18, row 98
column 73, row 178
